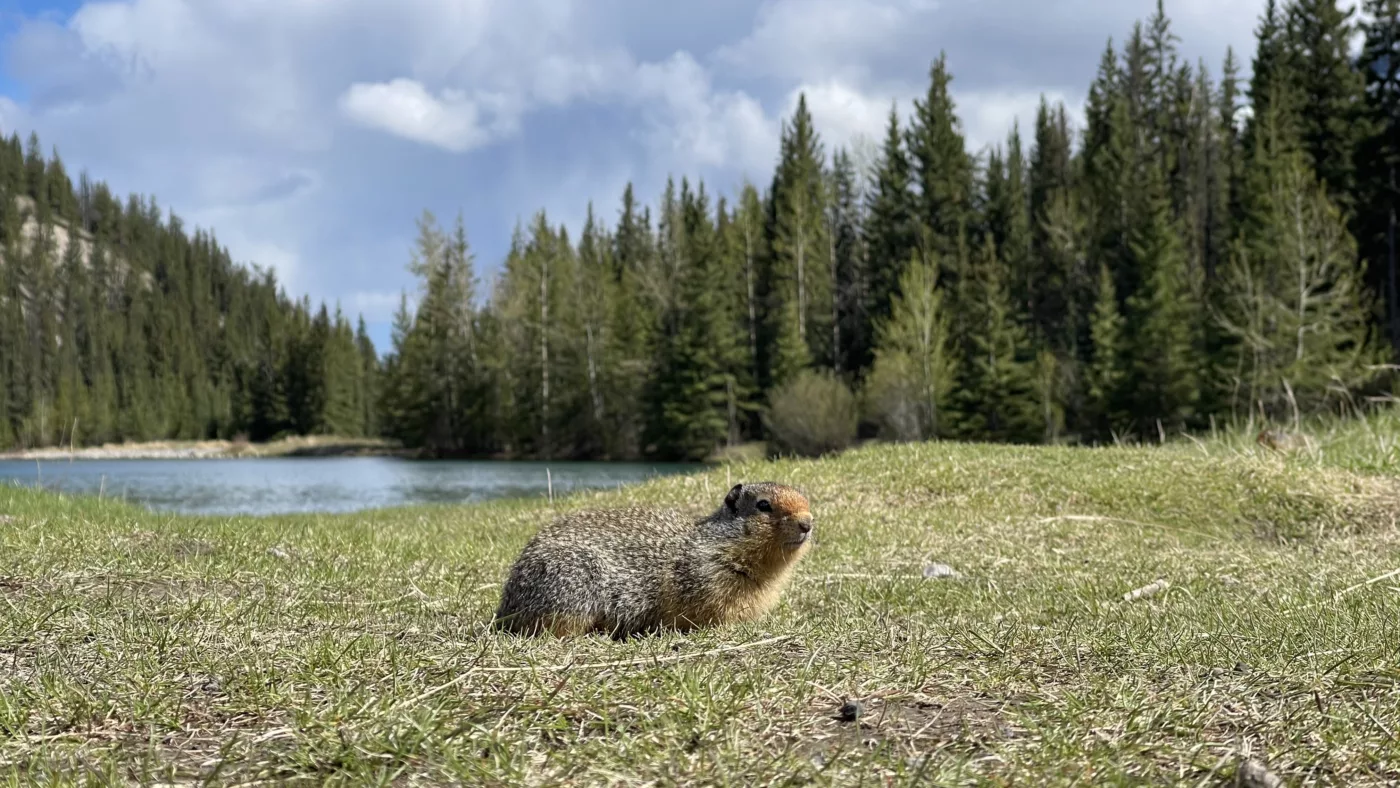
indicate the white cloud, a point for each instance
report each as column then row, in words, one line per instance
column 823, row 39
column 375, row 305
column 231, row 182
column 695, row 126
column 987, row 117
column 269, row 256
column 845, row 115
column 12, row 115
column 405, row 108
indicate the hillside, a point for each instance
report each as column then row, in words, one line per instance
column 354, row 649
column 118, row 325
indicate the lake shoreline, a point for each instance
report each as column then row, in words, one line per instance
column 215, row 449
column 312, row 446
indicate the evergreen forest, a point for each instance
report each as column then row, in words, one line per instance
column 1207, row 248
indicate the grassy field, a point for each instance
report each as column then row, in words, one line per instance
column 137, row 647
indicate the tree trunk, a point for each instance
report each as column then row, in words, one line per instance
column 597, row 395
column 1392, row 292
column 544, row 357
column 835, row 301
column 753, row 307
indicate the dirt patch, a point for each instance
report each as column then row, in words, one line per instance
column 912, row 724
column 191, row 548
column 178, row 546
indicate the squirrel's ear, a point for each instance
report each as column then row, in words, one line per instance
column 732, row 499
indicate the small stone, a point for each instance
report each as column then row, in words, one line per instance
column 851, row 710
column 1253, row 774
column 934, row 571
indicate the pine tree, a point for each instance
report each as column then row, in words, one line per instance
column 35, row 181
column 909, row 386
column 1053, row 256
column 59, row 196
column 535, row 287
column 436, row 385
column 1008, row 220
column 995, row 397
column 688, row 399
column 890, row 229
column 369, row 380
column 1225, row 168
column 1272, row 85
column 1331, row 119
column 401, row 402
column 1136, row 88
column 1104, row 375
column 735, row 280
column 851, row 331
column 750, row 250
column 594, row 287
column 1108, row 170
column 1295, row 300
column 633, row 320
column 942, row 169
column 800, row 283
column 70, row 387
column 1378, row 158
column 1161, row 320
column 342, row 375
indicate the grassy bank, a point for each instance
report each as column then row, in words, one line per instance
column 354, row 649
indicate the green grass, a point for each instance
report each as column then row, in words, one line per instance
column 138, row 647
column 1368, row 442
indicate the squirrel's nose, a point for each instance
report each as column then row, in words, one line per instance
column 804, row 522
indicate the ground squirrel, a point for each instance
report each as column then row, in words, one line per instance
column 1278, row 440
column 627, row 571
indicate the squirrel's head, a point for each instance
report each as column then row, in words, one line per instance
column 776, row 508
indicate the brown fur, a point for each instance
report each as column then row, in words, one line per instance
column 1278, row 440
column 625, row 571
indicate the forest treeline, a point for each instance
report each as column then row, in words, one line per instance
column 1205, row 248
column 1194, row 253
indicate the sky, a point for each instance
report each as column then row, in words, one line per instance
column 309, row 135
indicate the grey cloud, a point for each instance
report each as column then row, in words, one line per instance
column 57, row 68
column 991, row 44
column 283, row 187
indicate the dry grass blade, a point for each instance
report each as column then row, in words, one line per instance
column 1151, row 589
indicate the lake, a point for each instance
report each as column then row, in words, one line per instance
column 319, row 484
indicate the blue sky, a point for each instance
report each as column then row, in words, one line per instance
column 309, row 134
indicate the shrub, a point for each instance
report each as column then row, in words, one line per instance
column 811, row 415
column 891, row 399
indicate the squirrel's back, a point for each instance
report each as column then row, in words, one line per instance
column 623, row 571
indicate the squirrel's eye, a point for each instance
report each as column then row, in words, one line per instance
column 764, row 506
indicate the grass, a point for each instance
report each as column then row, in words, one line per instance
column 139, row 647
column 1367, row 442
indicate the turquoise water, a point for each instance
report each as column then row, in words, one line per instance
column 319, row 484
